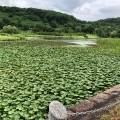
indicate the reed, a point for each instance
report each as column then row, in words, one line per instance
column 109, row 44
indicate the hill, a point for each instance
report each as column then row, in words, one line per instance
column 38, row 19
column 109, row 27
column 51, row 22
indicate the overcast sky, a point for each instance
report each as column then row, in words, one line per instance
column 89, row 10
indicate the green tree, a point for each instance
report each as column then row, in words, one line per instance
column 10, row 29
column 48, row 28
column 1, row 24
column 25, row 27
column 53, row 24
column 77, row 29
column 113, row 34
column 88, row 29
column 118, row 33
column 101, row 33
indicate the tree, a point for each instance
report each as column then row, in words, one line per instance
column 118, row 33
column 25, row 27
column 6, row 21
column 48, row 28
column 88, row 29
column 77, row 29
column 38, row 28
column 10, row 29
column 101, row 33
column 1, row 24
column 53, row 24
column 113, row 34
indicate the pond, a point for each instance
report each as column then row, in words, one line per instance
column 82, row 42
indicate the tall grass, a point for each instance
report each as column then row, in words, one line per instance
column 14, row 37
column 9, row 38
column 109, row 44
column 49, row 37
column 112, row 115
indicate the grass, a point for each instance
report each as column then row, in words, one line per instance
column 111, row 45
column 113, row 114
column 64, row 36
column 9, row 38
column 109, row 42
column 14, row 37
column 92, row 36
column 23, row 34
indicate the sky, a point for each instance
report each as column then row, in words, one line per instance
column 88, row 10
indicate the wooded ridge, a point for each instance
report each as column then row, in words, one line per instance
column 51, row 22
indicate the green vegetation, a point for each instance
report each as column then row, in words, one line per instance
column 33, row 73
column 109, row 27
column 39, row 21
column 51, row 37
column 27, row 34
column 10, row 29
column 46, row 22
column 8, row 37
column 113, row 114
column 109, row 45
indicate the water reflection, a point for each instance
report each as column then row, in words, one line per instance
column 83, row 42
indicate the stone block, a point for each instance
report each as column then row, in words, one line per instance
column 100, row 98
column 83, row 106
column 114, row 90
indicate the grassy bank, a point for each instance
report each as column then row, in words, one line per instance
column 113, row 114
column 23, row 35
column 111, row 45
column 65, row 37
column 8, row 37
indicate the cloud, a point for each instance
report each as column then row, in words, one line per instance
column 111, row 11
column 97, row 9
column 89, row 10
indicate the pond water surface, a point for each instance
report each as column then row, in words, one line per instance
column 83, row 42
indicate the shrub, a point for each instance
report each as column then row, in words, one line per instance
column 10, row 29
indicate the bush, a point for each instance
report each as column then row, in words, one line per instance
column 10, row 29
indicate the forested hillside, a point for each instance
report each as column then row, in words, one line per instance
column 51, row 22
column 109, row 27
column 38, row 20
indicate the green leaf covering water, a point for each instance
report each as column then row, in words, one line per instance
column 32, row 74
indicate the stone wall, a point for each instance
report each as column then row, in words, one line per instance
column 109, row 96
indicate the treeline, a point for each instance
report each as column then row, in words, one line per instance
column 39, row 20
column 56, row 23
column 109, row 27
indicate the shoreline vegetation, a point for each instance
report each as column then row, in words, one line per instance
column 109, row 45
column 23, row 36
column 106, row 44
